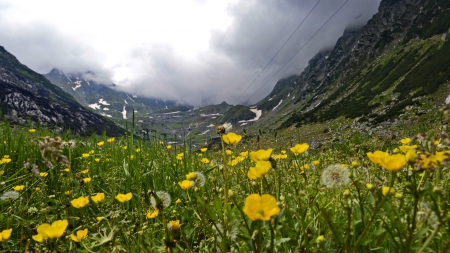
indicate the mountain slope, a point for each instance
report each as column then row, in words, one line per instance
column 373, row 74
column 104, row 99
column 29, row 98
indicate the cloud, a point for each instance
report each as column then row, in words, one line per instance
column 221, row 71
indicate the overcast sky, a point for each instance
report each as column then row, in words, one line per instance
column 195, row 52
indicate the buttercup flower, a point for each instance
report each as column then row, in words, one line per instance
column 203, row 150
column 32, row 130
column 299, row 149
column 81, row 234
column 87, row 180
column 393, row 163
column 261, row 207
column 110, row 140
column 376, row 156
column 173, row 225
column 186, row 184
column 124, row 197
column 387, row 190
column 405, row 141
column 152, row 214
column 47, row 231
column 18, row 188
column 85, row 171
column 335, row 176
column 5, row 234
column 85, row 155
column 98, row 198
column 205, row 160
column 191, row 176
column 261, row 155
column 178, row 201
column 43, row 174
column 100, row 143
column 232, row 138
column 261, row 169
column 80, row 202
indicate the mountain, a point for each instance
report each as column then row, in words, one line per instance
column 28, row 98
column 105, row 99
column 378, row 74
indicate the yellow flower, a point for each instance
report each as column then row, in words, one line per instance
column 169, row 146
column 5, row 234
column 180, row 156
column 80, row 202
column 32, row 130
column 87, row 180
column 85, row 155
column 100, row 218
column 18, row 188
column 92, row 151
column 85, row 171
column 261, row 207
column 186, row 184
column 191, row 176
column 244, row 154
column 229, row 152
column 81, row 234
column 299, row 149
column 406, row 149
column 178, row 201
column 304, row 167
column 98, row 198
column 124, row 197
column 100, row 143
column 261, row 169
column 110, row 140
column 369, row 186
column 393, row 163
column 38, row 189
column 152, row 214
column 5, row 159
column 387, row 190
column 321, row 240
column 316, row 162
column 203, row 150
column 261, row 155
column 376, row 156
column 67, row 170
column 174, row 225
column 43, row 174
column 232, row 138
column 355, row 164
column 137, row 150
column 205, row 160
column 47, row 231
column 125, row 147
column 67, row 193
column 405, row 141
column 97, row 160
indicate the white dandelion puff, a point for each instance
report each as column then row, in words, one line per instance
column 335, row 176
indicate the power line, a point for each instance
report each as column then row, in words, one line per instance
column 277, row 52
column 298, row 50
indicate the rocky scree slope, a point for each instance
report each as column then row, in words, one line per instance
column 28, row 98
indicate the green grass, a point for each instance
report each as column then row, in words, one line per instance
column 312, row 216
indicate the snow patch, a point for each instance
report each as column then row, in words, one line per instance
column 94, row 106
column 212, row 125
column 281, row 101
column 204, row 132
column 172, row 112
column 125, row 101
column 124, row 113
column 106, row 109
column 76, row 87
column 209, row 115
column 105, row 115
column 258, row 114
column 103, row 102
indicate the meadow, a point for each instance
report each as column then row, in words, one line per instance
column 60, row 193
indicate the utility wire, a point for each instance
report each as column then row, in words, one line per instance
column 298, row 50
column 277, row 52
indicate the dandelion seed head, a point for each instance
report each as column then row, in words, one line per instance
column 200, row 180
column 335, row 176
column 9, row 195
column 164, row 197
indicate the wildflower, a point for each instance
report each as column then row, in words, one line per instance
column 97, row 160
column 261, row 169
column 100, row 143
column 205, row 160
column 32, row 210
column 199, row 179
column 110, row 140
column 169, row 146
column 32, row 130
column 355, row 164
column 125, row 147
column 180, row 156
column 160, row 199
column 376, row 156
column 5, row 234
column 203, row 150
column 68, row 193
column 316, row 162
column 405, row 141
column 225, row 128
column 393, row 163
column 244, row 154
column 81, row 234
column 70, row 144
column 232, row 138
column 124, row 197
column 261, row 155
column 87, row 180
column 304, row 167
column 92, row 151
column 98, row 197
column 47, row 231
column 5, row 159
column 178, row 201
column 321, row 240
column 229, row 152
column 173, row 225
column 67, row 170
column 85, row 155
column 261, row 207
column 335, row 176
column 43, row 174
column 85, row 171
column 18, row 188
column 37, row 189
column 152, row 214
column 186, row 184
column 100, row 218
column 191, row 176
column 406, row 149
column 369, row 186
column 80, row 202
column 387, row 190
column 299, row 149
column 279, row 156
